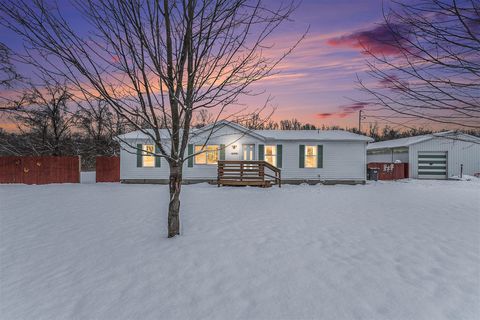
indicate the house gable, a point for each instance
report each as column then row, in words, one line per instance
column 225, row 127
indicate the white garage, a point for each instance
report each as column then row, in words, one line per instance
column 434, row 156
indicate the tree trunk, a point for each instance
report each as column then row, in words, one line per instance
column 174, row 205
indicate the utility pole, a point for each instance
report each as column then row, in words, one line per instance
column 360, row 121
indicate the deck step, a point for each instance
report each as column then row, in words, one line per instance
column 260, row 183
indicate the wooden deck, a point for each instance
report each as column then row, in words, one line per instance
column 248, row 173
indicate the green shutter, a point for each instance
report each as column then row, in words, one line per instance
column 279, row 155
column 190, row 152
column 261, row 152
column 158, row 162
column 319, row 156
column 222, row 152
column 139, row 155
column 301, row 156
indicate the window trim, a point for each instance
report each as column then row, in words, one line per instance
column 305, row 156
column 274, row 155
column 206, row 154
column 146, row 154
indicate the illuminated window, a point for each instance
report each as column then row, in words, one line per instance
column 310, row 156
column 271, row 155
column 208, row 155
column 148, row 157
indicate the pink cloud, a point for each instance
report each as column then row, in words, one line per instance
column 393, row 82
column 345, row 111
column 381, row 39
column 324, row 115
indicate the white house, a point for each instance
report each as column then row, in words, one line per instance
column 432, row 156
column 312, row 156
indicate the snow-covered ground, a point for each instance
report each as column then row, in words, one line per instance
column 387, row 250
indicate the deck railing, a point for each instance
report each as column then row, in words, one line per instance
column 248, row 173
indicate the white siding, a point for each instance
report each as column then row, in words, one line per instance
column 342, row 160
column 226, row 135
column 230, row 139
column 458, row 152
column 387, row 156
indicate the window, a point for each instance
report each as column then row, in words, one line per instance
column 310, row 156
column 148, row 159
column 208, row 155
column 271, row 155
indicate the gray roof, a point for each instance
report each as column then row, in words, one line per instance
column 285, row 135
column 405, row 142
column 139, row 135
column 324, row 135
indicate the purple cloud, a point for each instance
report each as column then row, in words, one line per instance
column 355, row 107
column 382, row 39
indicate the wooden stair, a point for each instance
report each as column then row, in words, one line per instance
column 248, row 173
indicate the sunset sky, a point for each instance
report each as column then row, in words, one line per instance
column 317, row 82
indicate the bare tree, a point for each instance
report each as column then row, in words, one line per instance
column 8, row 77
column 271, row 125
column 430, row 66
column 8, row 73
column 203, row 118
column 253, row 122
column 46, row 118
column 290, row 124
column 96, row 120
column 97, row 127
column 156, row 60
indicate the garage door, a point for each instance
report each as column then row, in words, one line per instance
column 432, row 165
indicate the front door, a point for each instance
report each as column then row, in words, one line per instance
column 248, row 152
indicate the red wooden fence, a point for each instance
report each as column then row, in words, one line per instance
column 40, row 170
column 390, row 171
column 107, row 169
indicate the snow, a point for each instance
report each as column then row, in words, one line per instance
column 399, row 143
column 405, row 142
column 323, row 135
column 386, row 250
column 314, row 135
column 466, row 177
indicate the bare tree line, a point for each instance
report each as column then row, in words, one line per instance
column 50, row 121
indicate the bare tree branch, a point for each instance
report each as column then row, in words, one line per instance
column 432, row 68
